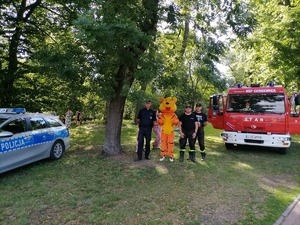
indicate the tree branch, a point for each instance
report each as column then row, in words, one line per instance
column 31, row 9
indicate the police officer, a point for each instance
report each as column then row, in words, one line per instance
column 202, row 122
column 188, row 127
column 146, row 119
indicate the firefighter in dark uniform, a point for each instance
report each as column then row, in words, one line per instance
column 188, row 127
column 202, row 122
column 146, row 119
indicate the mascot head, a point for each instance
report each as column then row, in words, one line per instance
column 168, row 105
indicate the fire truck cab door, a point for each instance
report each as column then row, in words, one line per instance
column 216, row 112
column 294, row 120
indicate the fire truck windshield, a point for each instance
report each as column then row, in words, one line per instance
column 256, row 103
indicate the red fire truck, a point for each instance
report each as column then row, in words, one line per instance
column 255, row 115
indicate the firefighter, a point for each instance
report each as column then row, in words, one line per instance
column 146, row 119
column 202, row 122
column 188, row 127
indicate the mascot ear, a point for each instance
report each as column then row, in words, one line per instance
column 174, row 99
column 161, row 99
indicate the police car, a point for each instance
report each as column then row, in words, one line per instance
column 29, row 137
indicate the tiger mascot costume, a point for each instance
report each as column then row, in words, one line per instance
column 167, row 119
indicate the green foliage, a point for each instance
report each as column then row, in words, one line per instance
column 191, row 46
column 109, row 30
column 240, row 18
column 30, row 27
column 110, row 38
column 92, row 55
column 271, row 53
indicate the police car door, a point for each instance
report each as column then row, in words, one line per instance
column 42, row 136
column 16, row 146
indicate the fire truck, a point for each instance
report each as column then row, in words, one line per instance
column 256, row 116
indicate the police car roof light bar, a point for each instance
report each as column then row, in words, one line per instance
column 12, row 110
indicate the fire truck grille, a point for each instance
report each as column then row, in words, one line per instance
column 254, row 141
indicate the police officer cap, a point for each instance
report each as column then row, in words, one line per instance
column 148, row 101
column 198, row 105
column 188, row 106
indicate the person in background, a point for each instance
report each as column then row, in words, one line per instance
column 146, row 119
column 62, row 118
column 78, row 117
column 202, row 122
column 68, row 118
column 188, row 127
column 157, row 132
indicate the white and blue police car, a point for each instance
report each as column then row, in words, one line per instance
column 29, row 137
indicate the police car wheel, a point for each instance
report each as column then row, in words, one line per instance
column 57, row 150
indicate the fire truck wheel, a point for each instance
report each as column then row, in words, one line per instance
column 229, row 146
column 282, row 151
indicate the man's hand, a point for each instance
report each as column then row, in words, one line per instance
column 181, row 135
column 194, row 135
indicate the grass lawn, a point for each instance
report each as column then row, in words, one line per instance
column 240, row 186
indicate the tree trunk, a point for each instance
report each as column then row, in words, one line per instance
column 112, row 145
column 125, row 77
column 138, row 106
column 115, row 111
column 185, row 35
column 136, row 111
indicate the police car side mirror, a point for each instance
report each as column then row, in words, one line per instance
column 5, row 134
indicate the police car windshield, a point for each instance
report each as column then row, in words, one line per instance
column 256, row 103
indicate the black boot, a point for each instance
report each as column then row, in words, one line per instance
column 181, row 156
column 203, row 155
column 190, row 156
column 193, row 157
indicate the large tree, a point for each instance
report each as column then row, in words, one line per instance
column 27, row 26
column 121, row 35
column 117, row 34
column 14, row 20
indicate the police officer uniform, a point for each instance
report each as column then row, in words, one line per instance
column 146, row 118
